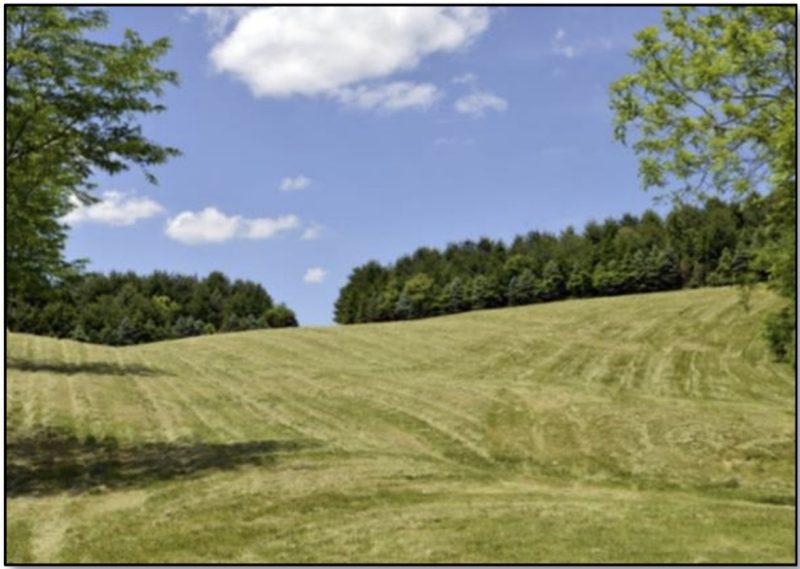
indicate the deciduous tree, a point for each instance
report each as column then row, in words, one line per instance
column 712, row 105
column 72, row 107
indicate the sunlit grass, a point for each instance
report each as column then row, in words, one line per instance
column 649, row 428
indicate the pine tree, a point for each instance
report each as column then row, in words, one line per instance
column 522, row 289
column 552, row 285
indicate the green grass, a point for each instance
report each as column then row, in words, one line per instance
column 649, row 428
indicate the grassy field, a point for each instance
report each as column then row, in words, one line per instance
column 648, row 428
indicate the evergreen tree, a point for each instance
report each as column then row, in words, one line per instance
column 452, row 298
column 552, row 285
column 723, row 274
column 417, row 298
column 579, row 284
column 389, row 296
column 522, row 289
column 186, row 326
column 486, row 293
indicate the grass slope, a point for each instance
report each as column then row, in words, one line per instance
column 647, row 428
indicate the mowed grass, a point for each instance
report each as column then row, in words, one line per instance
column 649, row 428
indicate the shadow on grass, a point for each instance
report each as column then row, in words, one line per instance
column 54, row 461
column 98, row 368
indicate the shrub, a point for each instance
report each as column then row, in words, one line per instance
column 779, row 332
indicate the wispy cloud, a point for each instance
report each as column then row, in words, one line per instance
column 477, row 103
column 315, row 275
column 561, row 47
column 213, row 226
column 114, row 208
column 219, row 19
column 293, row 184
column 391, row 96
column 464, row 78
column 571, row 49
column 312, row 232
column 266, row 227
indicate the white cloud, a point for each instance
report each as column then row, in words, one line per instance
column 325, row 50
column 391, row 96
column 207, row 226
column 212, row 226
column 476, row 103
column 265, row 227
column 312, row 232
column 465, row 78
column 315, row 275
column 293, row 184
column 114, row 208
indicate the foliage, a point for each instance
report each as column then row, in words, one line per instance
column 522, row 288
column 72, row 108
column 417, row 297
column 712, row 104
column 124, row 308
column 280, row 316
column 692, row 246
column 780, row 333
column 454, row 296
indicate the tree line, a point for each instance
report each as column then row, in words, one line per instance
column 710, row 104
column 712, row 244
column 73, row 108
column 125, row 308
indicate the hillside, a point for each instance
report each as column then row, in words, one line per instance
column 646, row 428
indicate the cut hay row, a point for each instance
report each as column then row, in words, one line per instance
column 645, row 428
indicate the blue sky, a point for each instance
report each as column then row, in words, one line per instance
column 315, row 140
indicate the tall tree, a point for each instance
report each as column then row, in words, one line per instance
column 72, row 105
column 712, row 104
column 522, row 288
column 417, row 297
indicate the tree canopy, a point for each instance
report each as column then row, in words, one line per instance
column 72, row 108
column 712, row 101
column 712, row 105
